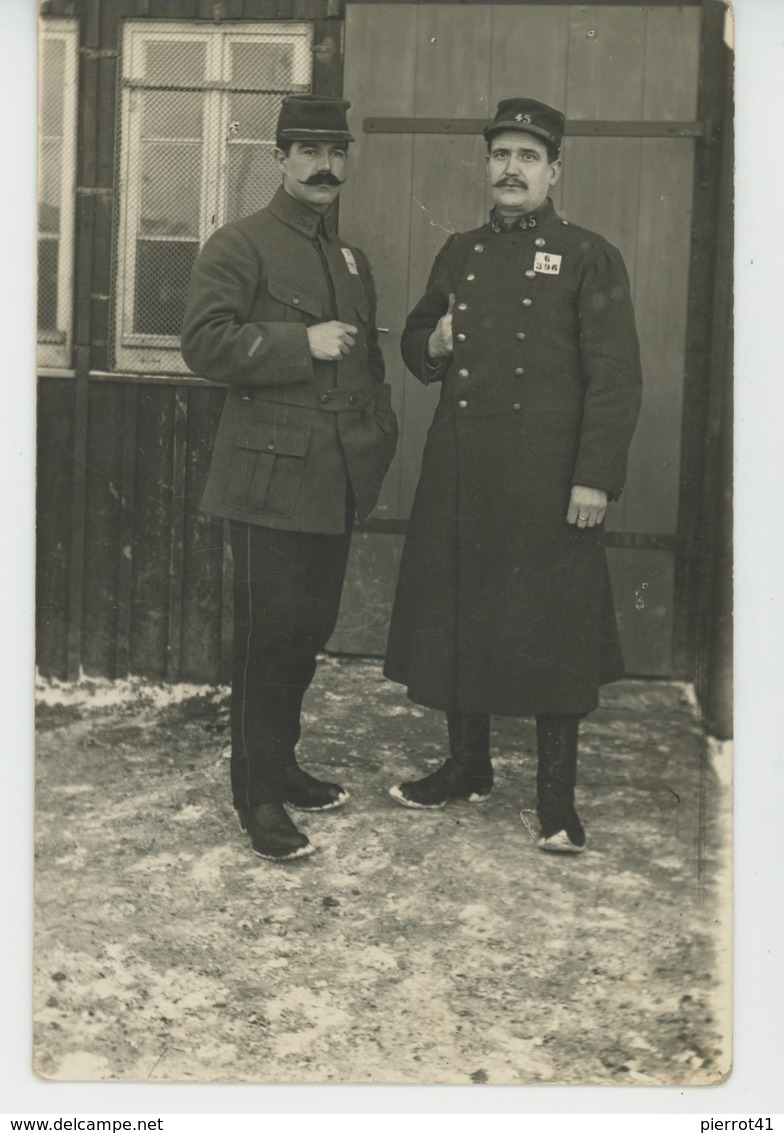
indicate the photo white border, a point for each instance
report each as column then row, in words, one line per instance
column 757, row 1082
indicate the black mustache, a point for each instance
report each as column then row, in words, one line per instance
column 323, row 179
column 509, row 181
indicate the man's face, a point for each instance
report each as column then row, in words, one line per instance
column 314, row 171
column 519, row 171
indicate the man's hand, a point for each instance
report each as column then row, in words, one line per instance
column 439, row 345
column 328, row 341
column 587, row 506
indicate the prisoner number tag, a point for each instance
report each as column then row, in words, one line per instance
column 351, row 263
column 547, row 263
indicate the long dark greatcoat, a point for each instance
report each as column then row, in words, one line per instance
column 502, row 606
column 293, row 431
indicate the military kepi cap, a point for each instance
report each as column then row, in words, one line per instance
column 308, row 117
column 530, row 116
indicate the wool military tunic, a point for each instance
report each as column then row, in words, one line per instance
column 502, row 606
column 294, row 432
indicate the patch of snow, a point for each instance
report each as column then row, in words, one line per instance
column 99, row 692
column 82, row 1066
column 721, row 754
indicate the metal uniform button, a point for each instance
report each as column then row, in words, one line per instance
column 539, row 241
column 462, row 405
column 479, row 247
column 462, row 373
column 461, row 338
column 530, row 274
column 271, row 446
column 351, row 399
column 323, row 398
column 517, row 406
column 471, row 276
column 462, row 306
column 519, row 371
column 295, row 301
column 527, row 302
column 520, row 336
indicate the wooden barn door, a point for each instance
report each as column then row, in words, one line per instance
column 421, row 79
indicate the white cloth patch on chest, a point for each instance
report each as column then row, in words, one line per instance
column 547, row 263
column 351, row 263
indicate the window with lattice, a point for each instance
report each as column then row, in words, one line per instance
column 198, row 109
column 57, row 89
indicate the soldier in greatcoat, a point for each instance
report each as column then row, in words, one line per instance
column 504, row 603
column 283, row 311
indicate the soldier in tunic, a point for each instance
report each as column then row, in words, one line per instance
column 504, row 603
column 282, row 311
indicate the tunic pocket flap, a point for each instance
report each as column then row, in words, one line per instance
column 277, row 439
column 294, row 296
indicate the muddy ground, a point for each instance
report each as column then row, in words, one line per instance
column 416, row 948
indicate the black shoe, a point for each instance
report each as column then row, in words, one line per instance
column 450, row 781
column 563, row 833
column 272, row 833
column 305, row 792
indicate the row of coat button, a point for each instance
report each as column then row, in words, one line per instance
column 539, row 241
column 516, row 406
column 519, row 371
column 464, row 307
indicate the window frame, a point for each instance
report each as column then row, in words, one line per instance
column 54, row 348
column 134, row 351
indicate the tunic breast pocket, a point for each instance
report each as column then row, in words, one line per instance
column 298, row 304
column 267, row 468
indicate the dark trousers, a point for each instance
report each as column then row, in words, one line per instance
column 556, row 741
column 287, row 587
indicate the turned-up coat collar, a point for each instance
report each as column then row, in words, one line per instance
column 302, row 219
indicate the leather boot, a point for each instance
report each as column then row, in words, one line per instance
column 562, row 831
column 272, row 833
column 467, row 774
column 306, row 792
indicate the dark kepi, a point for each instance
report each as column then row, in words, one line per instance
column 308, row 117
column 530, row 116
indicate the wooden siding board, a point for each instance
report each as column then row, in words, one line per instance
column 173, row 9
column 529, row 54
column 268, row 9
column 77, row 543
column 102, row 527
column 643, row 584
column 177, row 535
column 152, row 533
column 125, row 549
column 672, row 63
column 606, row 62
column 202, row 558
column 368, row 594
column 54, row 488
column 661, row 288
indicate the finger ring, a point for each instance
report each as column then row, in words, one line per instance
column 584, row 518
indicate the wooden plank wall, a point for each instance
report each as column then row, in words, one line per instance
column 408, row 192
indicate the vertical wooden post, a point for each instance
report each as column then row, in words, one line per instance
column 179, row 453
column 78, row 505
column 123, row 652
column 697, row 518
